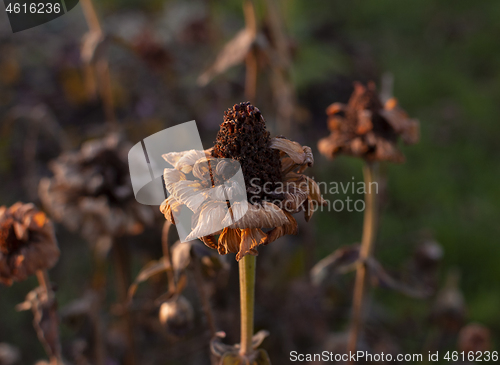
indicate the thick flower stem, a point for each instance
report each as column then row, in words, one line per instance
column 247, row 297
column 44, row 281
column 367, row 243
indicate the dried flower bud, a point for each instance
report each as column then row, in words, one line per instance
column 9, row 355
column 474, row 337
column 177, row 316
column 27, row 242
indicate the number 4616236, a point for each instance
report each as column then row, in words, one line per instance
column 471, row 356
column 33, row 8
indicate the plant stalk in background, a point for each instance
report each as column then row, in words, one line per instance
column 370, row 222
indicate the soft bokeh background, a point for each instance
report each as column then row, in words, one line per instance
column 443, row 57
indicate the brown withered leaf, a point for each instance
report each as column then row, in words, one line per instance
column 152, row 268
column 233, row 53
column 45, row 319
column 222, row 350
column 338, row 262
column 380, row 277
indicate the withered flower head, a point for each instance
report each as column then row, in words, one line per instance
column 275, row 185
column 27, row 242
column 177, row 316
column 91, row 191
column 366, row 128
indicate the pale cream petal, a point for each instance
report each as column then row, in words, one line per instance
column 190, row 193
column 209, row 220
column 171, row 176
column 251, row 238
column 184, row 161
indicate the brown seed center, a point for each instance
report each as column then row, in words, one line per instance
column 9, row 243
column 243, row 137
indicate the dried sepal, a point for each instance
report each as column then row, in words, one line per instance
column 251, row 238
column 229, row 241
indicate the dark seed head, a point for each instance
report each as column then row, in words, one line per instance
column 243, row 137
column 9, row 243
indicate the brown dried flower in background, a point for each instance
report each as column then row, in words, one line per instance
column 177, row 315
column 275, row 185
column 27, row 242
column 91, row 191
column 474, row 337
column 366, row 128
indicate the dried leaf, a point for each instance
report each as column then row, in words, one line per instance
column 337, row 262
column 233, row 53
column 46, row 319
column 383, row 279
column 152, row 268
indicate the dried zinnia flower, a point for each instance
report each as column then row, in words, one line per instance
column 91, row 191
column 275, row 185
column 366, row 128
column 27, row 242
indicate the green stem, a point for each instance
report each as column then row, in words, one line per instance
column 367, row 243
column 247, row 296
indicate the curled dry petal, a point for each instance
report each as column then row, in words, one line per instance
column 291, row 227
column 184, row 161
column 209, row 241
column 169, row 208
column 251, row 238
column 264, row 215
column 300, row 155
column 229, row 241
